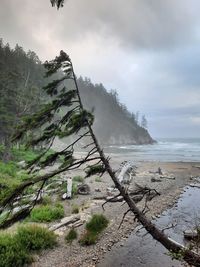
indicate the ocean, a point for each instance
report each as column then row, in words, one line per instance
column 166, row 150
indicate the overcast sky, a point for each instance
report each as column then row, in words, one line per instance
column 148, row 50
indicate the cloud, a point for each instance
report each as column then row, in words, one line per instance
column 149, row 50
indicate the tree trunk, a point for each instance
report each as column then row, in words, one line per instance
column 7, row 150
column 189, row 256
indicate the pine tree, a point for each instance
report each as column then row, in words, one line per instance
column 144, row 122
column 76, row 121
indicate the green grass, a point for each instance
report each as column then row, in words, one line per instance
column 47, row 213
column 97, row 223
column 74, row 189
column 75, row 209
column 16, row 249
column 78, row 179
column 71, row 236
column 94, row 227
column 21, row 153
column 12, row 252
column 88, row 238
column 10, row 177
column 98, row 179
column 34, row 237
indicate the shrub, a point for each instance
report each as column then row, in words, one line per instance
column 9, row 168
column 78, row 179
column 15, row 249
column 97, row 223
column 98, row 179
column 34, row 237
column 94, row 227
column 88, row 238
column 72, row 235
column 74, row 189
column 75, row 209
column 12, row 252
column 46, row 200
column 47, row 213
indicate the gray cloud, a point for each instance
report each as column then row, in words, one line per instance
column 149, row 50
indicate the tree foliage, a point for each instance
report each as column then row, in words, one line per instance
column 21, row 77
column 79, row 125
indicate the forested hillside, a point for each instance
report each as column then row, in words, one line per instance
column 114, row 124
column 21, row 77
column 21, row 80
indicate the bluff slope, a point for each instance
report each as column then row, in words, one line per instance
column 114, row 124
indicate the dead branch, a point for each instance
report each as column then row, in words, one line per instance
column 110, row 200
column 124, row 217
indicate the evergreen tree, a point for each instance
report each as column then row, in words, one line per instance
column 21, row 76
column 74, row 121
column 144, row 122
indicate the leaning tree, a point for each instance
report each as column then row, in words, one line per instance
column 65, row 117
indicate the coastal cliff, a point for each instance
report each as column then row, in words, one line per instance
column 114, row 124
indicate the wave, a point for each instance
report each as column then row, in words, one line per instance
column 164, row 150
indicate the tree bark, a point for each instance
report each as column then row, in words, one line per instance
column 7, row 150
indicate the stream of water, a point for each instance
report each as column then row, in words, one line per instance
column 141, row 250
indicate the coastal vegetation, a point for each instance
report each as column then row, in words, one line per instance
column 59, row 112
column 47, row 213
column 16, row 249
column 94, row 227
column 71, row 236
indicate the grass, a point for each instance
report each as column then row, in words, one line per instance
column 97, row 223
column 47, row 213
column 78, row 179
column 88, row 238
column 98, row 179
column 94, row 227
column 16, row 249
column 75, row 209
column 71, row 236
column 74, row 189
column 12, row 252
column 34, row 237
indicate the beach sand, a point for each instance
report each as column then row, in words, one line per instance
column 75, row 255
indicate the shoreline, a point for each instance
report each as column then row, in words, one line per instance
column 76, row 255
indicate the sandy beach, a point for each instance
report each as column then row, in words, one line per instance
column 74, row 255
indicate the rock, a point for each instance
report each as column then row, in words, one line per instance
column 21, row 164
column 190, row 234
column 83, row 189
column 153, row 180
column 97, row 190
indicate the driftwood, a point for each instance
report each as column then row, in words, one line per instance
column 126, row 173
column 154, row 180
column 190, row 234
column 65, row 221
column 83, row 189
column 166, row 177
column 194, row 185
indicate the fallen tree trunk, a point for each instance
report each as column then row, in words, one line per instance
column 189, row 256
